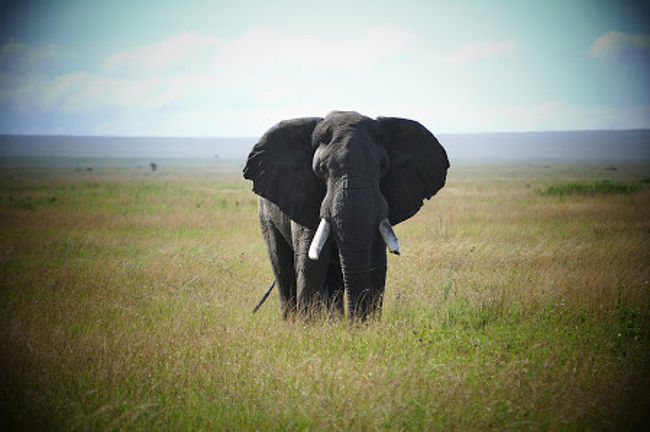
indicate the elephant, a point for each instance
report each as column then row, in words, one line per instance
column 330, row 189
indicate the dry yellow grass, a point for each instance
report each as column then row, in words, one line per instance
column 125, row 302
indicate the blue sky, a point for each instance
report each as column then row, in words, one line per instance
column 213, row 68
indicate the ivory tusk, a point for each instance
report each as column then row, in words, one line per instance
column 322, row 232
column 387, row 233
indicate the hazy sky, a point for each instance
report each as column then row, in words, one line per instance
column 234, row 68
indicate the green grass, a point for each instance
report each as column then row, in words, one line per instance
column 600, row 187
column 125, row 305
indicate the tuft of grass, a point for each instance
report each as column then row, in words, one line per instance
column 599, row 187
column 27, row 202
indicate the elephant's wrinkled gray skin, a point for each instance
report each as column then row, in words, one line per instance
column 354, row 172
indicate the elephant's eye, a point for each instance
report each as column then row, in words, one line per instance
column 383, row 167
column 325, row 137
column 322, row 169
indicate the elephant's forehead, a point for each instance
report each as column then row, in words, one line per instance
column 345, row 118
column 344, row 124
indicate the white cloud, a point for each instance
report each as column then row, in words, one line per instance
column 184, row 48
column 89, row 93
column 264, row 48
column 186, row 71
column 482, row 50
column 198, row 84
column 268, row 48
column 615, row 44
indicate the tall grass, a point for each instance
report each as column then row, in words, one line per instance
column 125, row 304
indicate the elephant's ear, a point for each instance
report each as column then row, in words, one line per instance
column 280, row 166
column 418, row 167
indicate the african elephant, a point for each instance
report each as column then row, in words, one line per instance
column 330, row 189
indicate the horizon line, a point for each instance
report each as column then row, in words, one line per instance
column 88, row 135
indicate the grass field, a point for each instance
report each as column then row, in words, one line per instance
column 126, row 297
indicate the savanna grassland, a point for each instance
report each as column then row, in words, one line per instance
column 520, row 302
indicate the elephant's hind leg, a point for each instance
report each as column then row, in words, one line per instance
column 281, row 256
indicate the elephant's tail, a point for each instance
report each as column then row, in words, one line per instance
column 266, row 294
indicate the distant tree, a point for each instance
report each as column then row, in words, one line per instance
column 154, row 166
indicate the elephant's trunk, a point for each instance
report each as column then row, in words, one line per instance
column 355, row 266
column 354, row 215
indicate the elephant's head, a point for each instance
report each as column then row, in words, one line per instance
column 352, row 177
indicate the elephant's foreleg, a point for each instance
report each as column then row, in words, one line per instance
column 334, row 284
column 377, row 276
column 281, row 257
column 312, row 295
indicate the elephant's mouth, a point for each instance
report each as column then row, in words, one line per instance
column 323, row 231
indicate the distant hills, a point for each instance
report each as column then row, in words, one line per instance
column 542, row 147
column 620, row 146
